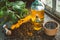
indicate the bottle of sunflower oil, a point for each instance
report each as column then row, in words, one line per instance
column 37, row 12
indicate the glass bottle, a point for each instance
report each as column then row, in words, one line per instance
column 37, row 11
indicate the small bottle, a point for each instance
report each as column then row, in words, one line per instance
column 37, row 11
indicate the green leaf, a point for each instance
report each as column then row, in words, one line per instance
column 1, row 13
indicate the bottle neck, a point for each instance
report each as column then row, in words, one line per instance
column 37, row 0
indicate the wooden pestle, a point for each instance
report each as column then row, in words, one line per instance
column 8, row 32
